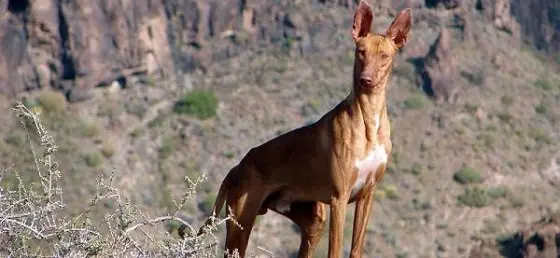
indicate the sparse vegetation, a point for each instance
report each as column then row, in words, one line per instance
column 467, row 175
column 107, row 150
column 541, row 108
column 417, row 169
column 476, row 77
column 88, row 129
column 51, row 101
column 201, row 103
column 416, row 101
column 167, row 147
column 543, row 84
column 33, row 224
column 474, row 196
column 93, row 159
column 499, row 192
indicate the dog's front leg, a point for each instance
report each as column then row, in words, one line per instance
column 336, row 226
column 361, row 218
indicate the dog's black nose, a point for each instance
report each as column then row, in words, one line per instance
column 366, row 81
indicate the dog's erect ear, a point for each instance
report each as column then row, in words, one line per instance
column 400, row 27
column 362, row 20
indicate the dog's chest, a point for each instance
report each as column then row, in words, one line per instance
column 368, row 166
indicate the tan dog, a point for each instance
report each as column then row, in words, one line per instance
column 337, row 160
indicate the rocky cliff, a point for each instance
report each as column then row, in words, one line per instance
column 76, row 45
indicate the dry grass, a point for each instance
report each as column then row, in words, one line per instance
column 34, row 218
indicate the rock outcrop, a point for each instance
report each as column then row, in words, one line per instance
column 499, row 13
column 439, row 71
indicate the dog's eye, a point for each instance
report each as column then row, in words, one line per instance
column 361, row 51
column 384, row 56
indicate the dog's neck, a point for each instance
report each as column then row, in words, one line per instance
column 369, row 106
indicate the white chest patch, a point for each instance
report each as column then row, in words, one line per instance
column 368, row 165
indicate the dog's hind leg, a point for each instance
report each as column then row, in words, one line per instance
column 311, row 218
column 245, row 202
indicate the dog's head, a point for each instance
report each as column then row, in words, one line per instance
column 375, row 53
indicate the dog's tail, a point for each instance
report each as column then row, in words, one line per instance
column 220, row 200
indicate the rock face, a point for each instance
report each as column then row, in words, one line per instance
column 439, row 70
column 539, row 21
column 499, row 12
column 76, row 45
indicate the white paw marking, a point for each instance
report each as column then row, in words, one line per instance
column 375, row 158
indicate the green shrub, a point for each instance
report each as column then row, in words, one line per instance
column 107, row 150
column 543, row 84
column 471, row 108
column 167, row 147
column 88, row 129
column 498, row 192
column 414, row 102
column 467, row 175
column 486, row 139
column 51, row 101
column 507, row 100
column 229, row 154
column 390, row 191
column 93, row 159
column 541, row 108
column 504, row 117
column 516, row 200
column 474, row 197
column 540, row 136
column 200, row 103
column 417, row 169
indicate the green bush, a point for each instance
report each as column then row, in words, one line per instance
column 417, row 169
column 507, row 100
column 51, row 101
column 474, row 197
column 93, row 159
column 390, row 191
column 516, row 200
column 540, row 135
column 167, row 147
column 541, row 108
column 543, row 84
column 467, row 175
column 107, row 150
column 200, row 103
column 414, row 102
column 498, row 192
column 88, row 129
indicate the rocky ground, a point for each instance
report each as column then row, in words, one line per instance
column 472, row 103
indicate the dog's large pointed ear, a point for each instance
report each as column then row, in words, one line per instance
column 400, row 27
column 362, row 20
